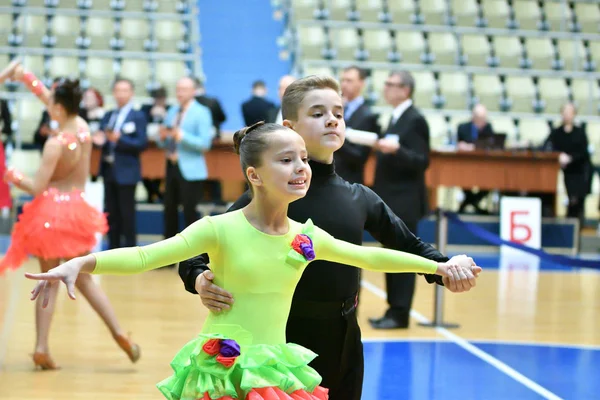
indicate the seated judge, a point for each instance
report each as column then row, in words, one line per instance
column 468, row 133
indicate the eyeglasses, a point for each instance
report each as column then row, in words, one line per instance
column 393, row 84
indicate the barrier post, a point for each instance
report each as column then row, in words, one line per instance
column 438, row 302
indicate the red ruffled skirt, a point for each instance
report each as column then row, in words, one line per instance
column 54, row 225
column 274, row 393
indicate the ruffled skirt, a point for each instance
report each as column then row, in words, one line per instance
column 54, row 225
column 205, row 370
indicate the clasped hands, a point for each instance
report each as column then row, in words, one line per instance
column 387, row 146
column 462, row 274
column 564, row 159
column 173, row 133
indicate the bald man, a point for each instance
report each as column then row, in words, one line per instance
column 284, row 82
column 186, row 134
column 468, row 133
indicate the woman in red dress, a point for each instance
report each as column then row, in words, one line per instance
column 59, row 224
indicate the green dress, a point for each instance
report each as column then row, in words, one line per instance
column 243, row 351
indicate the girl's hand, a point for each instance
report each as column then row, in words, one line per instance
column 13, row 176
column 454, row 271
column 66, row 273
column 9, row 71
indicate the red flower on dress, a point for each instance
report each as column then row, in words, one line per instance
column 226, row 350
column 226, row 361
column 303, row 245
column 212, row 347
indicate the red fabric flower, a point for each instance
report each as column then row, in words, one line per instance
column 298, row 240
column 226, row 361
column 302, row 244
column 212, row 347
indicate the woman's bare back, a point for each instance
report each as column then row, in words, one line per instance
column 72, row 168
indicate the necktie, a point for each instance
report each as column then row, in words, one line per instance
column 474, row 132
column 391, row 124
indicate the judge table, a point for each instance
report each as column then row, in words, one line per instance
column 503, row 170
column 507, row 171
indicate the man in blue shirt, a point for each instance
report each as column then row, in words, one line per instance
column 188, row 133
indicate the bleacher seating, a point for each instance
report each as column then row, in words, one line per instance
column 150, row 42
column 522, row 59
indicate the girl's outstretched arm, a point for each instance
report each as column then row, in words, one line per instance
column 381, row 259
column 198, row 238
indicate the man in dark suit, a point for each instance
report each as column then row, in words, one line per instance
column 122, row 135
column 257, row 108
column 351, row 158
column 218, row 117
column 402, row 159
column 467, row 135
column 213, row 104
column 155, row 114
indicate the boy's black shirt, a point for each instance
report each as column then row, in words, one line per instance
column 343, row 210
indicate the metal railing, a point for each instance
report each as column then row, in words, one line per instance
column 460, row 30
column 74, row 12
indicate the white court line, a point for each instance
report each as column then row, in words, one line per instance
column 9, row 317
column 472, row 349
column 497, row 342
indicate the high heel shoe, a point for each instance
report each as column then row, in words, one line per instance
column 132, row 349
column 44, row 361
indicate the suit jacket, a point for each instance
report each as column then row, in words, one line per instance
column 126, row 168
column 400, row 177
column 198, row 133
column 216, row 111
column 257, row 109
column 578, row 173
column 273, row 114
column 351, row 158
column 465, row 132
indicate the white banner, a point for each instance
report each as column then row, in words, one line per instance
column 521, row 220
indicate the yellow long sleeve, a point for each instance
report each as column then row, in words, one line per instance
column 198, row 238
column 370, row 258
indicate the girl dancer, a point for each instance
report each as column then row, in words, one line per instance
column 258, row 254
column 59, row 224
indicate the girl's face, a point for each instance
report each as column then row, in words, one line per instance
column 321, row 123
column 284, row 174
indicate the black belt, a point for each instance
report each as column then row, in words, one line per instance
column 324, row 309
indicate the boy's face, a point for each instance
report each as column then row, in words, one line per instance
column 321, row 123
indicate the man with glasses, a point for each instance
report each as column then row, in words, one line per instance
column 402, row 158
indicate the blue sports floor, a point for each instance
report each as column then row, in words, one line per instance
column 455, row 368
column 445, row 370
